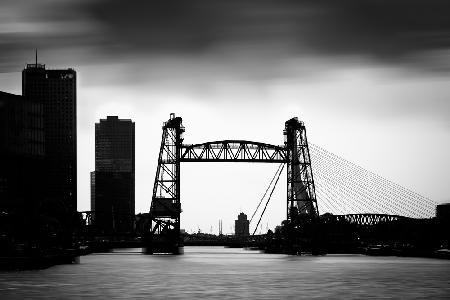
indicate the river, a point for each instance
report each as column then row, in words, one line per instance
column 225, row 273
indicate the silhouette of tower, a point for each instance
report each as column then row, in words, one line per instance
column 56, row 91
column 113, row 181
column 21, row 152
column 301, row 195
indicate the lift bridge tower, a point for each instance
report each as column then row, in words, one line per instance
column 165, row 209
column 301, row 194
column 164, row 232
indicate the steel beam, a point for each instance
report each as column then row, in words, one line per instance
column 234, row 151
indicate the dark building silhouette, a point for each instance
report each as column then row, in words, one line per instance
column 443, row 211
column 443, row 223
column 241, row 225
column 56, row 91
column 93, row 190
column 21, row 151
column 112, row 183
column 21, row 163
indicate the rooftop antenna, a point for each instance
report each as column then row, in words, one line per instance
column 36, row 55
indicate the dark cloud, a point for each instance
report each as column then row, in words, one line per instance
column 368, row 27
column 63, row 27
column 391, row 31
column 381, row 28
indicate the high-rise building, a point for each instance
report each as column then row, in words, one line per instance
column 56, row 91
column 21, row 163
column 21, row 153
column 113, row 181
column 241, row 225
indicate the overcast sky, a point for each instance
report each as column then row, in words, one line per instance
column 370, row 79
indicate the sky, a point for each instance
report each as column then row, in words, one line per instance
column 369, row 78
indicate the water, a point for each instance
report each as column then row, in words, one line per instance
column 222, row 273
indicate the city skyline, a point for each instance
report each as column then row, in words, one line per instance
column 377, row 97
column 224, row 149
column 192, row 226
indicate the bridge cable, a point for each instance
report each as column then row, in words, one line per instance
column 383, row 190
column 354, row 183
column 356, row 187
column 268, row 199
column 265, row 193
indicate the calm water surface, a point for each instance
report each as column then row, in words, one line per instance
column 222, row 273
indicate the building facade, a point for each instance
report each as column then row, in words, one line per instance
column 242, row 225
column 21, row 163
column 21, row 152
column 56, row 91
column 113, row 182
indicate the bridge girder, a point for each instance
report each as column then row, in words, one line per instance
column 234, row 151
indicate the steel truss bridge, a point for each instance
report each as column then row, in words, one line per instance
column 353, row 194
column 166, row 207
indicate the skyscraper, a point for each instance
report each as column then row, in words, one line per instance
column 21, row 161
column 56, row 91
column 21, row 153
column 112, row 183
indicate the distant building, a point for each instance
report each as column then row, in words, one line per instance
column 113, row 182
column 443, row 212
column 21, row 154
column 241, row 225
column 443, row 224
column 56, row 91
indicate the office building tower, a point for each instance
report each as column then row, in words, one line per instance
column 56, row 91
column 113, row 181
column 241, row 225
column 21, row 154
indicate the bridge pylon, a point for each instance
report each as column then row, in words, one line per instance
column 301, row 194
column 164, row 235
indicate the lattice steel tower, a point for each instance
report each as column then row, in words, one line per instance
column 166, row 208
column 301, row 195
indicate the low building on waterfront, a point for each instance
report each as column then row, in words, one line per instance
column 443, row 211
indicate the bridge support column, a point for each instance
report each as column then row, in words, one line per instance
column 164, row 235
column 301, row 195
